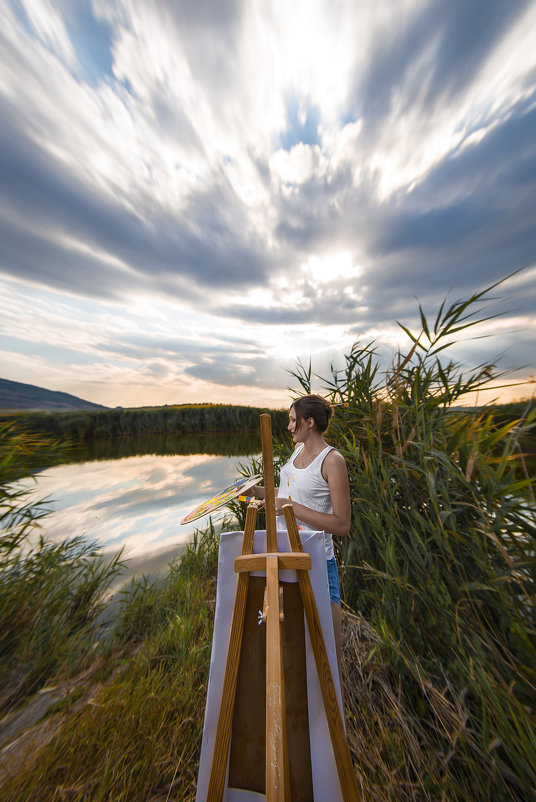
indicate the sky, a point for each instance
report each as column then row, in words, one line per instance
column 195, row 194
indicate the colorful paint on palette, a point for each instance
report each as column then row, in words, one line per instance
column 224, row 497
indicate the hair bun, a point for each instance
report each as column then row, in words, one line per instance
column 315, row 407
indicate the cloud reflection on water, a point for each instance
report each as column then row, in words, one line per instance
column 136, row 502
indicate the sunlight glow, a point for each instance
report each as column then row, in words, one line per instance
column 333, row 267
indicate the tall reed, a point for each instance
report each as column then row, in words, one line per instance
column 441, row 560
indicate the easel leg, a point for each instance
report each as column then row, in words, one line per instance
column 345, row 769
column 277, row 775
column 223, row 733
column 277, row 772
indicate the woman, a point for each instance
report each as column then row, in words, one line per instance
column 315, row 482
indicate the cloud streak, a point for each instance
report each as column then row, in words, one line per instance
column 285, row 175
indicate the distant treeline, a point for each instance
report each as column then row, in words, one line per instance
column 92, row 425
column 85, row 426
column 512, row 411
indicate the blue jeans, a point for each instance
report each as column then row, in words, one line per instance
column 333, row 581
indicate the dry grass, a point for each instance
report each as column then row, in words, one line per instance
column 395, row 752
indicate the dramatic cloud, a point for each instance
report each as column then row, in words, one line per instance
column 193, row 195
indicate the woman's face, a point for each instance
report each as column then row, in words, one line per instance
column 296, row 427
column 293, row 425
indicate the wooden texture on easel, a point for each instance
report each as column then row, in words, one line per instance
column 285, row 559
column 277, row 773
column 247, row 759
column 223, row 733
column 341, row 752
column 277, row 789
column 269, row 492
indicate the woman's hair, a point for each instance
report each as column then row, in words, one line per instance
column 315, row 407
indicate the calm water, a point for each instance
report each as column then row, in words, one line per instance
column 136, row 502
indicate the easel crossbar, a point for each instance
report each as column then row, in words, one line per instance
column 288, row 560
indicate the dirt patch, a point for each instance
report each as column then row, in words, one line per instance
column 25, row 731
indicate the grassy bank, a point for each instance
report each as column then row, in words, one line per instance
column 50, row 593
column 439, row 579
column 133, row 730
column 93, row 708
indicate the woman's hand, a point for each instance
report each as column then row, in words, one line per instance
column 280, row 502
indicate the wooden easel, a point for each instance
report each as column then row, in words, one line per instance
column 277, row 774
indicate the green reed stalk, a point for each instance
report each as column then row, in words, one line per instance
column 441, row 557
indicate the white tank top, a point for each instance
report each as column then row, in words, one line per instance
column 307, row 486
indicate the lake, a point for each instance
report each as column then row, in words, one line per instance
column 133, row 493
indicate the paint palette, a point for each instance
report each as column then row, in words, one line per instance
column 224, row 497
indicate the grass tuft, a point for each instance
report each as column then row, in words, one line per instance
column 138, row 737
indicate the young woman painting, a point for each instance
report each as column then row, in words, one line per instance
column 315, row 482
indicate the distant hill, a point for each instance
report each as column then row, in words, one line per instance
column 15, row 396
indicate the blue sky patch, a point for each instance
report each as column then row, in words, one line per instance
column 302, row 125
column 92, row 40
